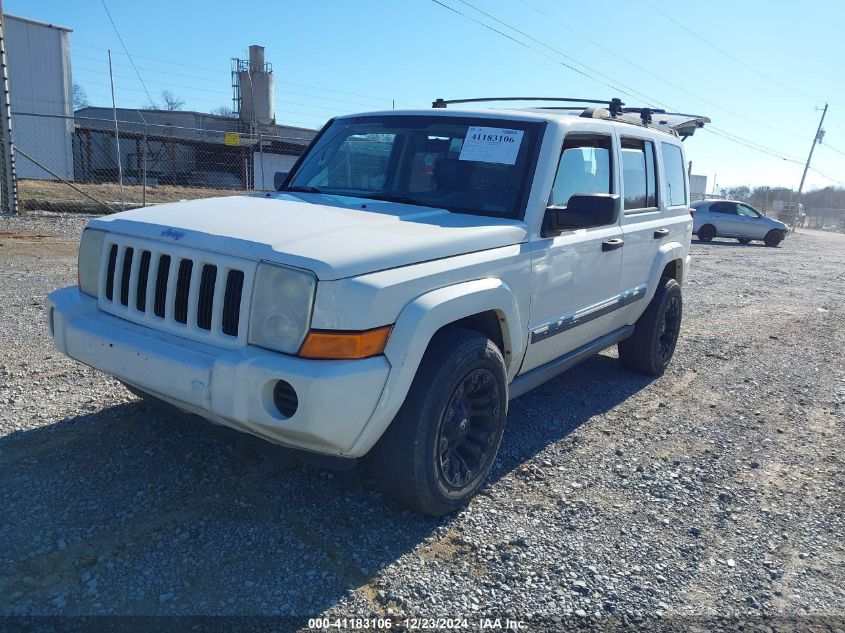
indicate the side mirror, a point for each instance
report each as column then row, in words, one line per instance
column 582, row 211
column 279, row 179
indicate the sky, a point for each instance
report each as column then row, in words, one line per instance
column 760, row 69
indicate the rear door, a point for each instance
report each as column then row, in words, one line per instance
column 575, row 283
column 724, row 218
column 644, row 226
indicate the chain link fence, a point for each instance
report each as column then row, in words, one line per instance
column 98, row 165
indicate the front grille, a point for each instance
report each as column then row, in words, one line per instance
column 193, row 293
column 232, row 301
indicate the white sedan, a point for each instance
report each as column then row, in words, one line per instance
column 729, row 218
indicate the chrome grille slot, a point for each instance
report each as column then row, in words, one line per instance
column 194, row 294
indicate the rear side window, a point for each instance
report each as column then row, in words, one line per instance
column 723, row 207
column 584, row 167
column 638, row 176
column 673, row 169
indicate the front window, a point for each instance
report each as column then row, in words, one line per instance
column 584, row 167
column 479, row 166
column 746, row 211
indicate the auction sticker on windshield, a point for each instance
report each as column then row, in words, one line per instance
column 491, row 145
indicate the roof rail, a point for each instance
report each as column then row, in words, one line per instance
column 615, row 108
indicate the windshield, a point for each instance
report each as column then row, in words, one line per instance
column 479, row 166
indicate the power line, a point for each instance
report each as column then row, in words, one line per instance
column 222, row 90
column 713, row 129
column 734, row 57
column 838, row 151
column 751, row 145
column 218, row 71
column 116, row 32
column 625, row 59
column 531, row 48
column 824, row 175
column 551, row 48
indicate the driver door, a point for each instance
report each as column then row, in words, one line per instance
column 576, row 274
column 750, row 222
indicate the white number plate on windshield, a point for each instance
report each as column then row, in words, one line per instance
column 491, row 145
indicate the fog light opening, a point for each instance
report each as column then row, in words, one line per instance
column 285, row 398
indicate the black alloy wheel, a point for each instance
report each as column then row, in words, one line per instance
column 467, row 435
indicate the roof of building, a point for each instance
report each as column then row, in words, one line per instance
column 38, row 23
column 189, row 123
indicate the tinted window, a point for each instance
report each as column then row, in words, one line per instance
column 584, row 167
column 673, row 168
column 638, row 174
column 469, row 165
column 723, row 207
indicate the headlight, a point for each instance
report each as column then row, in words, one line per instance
column 282, row 300
column 88, row 264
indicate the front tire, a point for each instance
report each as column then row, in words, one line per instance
column 650, row 348
column 773, row 238
column 438, row 450
column 707, row 232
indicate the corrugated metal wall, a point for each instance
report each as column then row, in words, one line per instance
column 40, row 83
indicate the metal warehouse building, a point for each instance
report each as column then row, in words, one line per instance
column 40, row 83
column 182, row 148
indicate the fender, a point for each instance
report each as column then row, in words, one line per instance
column 668, row 252
column 414, row 329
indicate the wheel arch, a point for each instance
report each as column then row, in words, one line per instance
column 671, row 261
column 483, row 305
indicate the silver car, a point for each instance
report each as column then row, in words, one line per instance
column 730, row 218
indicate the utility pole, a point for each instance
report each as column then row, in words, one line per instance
column 8, row 185
column 816, row 139
column 116, row 137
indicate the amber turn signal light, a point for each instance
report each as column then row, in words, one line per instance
column 325, row 344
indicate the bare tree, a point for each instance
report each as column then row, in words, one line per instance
column 225, row 111
column 738, row 193
column 80, row 99
column 171, row 101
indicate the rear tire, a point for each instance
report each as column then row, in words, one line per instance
column 438, row 450
column 650, row 348
column 707, row 232
column 744, row 240
column 773, row 238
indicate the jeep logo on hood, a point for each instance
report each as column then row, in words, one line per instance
column 173, row 234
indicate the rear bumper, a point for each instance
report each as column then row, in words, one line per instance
column 337, row 399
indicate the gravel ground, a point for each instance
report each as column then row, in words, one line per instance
column 716, row 490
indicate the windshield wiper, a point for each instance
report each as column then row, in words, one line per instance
column 400, row 199
column 300, row 189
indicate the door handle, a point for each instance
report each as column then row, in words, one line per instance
column 661, row 233
column 612, row 244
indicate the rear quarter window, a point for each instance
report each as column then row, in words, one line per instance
column 675, row 181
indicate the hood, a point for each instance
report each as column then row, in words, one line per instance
column 333, row 236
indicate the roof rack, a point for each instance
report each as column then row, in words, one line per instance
column 614, row 106
column 615, row 109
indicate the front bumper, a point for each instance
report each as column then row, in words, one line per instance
column 337, row 399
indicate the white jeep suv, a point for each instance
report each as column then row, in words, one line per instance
column 416, row 271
